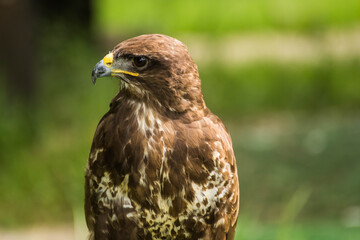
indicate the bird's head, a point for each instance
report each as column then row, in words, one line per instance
column 157, row 68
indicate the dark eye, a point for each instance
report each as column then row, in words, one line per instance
column 140, row 62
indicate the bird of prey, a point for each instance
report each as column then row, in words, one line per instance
column 161, row 164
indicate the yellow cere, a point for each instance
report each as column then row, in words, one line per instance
column 114, row 71
column 108, row 60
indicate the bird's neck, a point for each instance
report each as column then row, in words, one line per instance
column 180, row 108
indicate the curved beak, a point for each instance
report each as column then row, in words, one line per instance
column 104, row 68
column 100, row 70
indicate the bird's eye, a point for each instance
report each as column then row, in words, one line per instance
column 140, row 62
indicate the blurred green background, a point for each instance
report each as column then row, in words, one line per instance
column 284, row 75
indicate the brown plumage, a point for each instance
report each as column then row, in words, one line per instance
column 161, row 164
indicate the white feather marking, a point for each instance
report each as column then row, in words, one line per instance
column 95, row 155
column 221, row 221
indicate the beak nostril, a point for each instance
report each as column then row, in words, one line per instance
column 108, row 60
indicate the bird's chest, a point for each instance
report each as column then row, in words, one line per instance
column 150, row 207
column 145, row 178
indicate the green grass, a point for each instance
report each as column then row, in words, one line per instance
column 219, row 17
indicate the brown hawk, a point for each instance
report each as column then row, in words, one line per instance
column 161, row 164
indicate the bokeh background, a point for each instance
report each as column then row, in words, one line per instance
column 284, row 75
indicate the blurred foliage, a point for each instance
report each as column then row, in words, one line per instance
column 295, row 127
column 280, row 153
column 44, row 149
column 268, row 86
column 219, row 17
column 326, row 230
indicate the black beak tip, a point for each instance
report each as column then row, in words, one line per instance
column 93, row 77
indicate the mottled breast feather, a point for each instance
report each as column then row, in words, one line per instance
column 161, row 167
